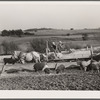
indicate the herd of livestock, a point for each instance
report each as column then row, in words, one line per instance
column 42, row 59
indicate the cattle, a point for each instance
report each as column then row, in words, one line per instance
column 51, row 56
column 60, row 68
column 16, row 54
column 96, row 57
column 19, row 55
column 46, row 69
column 43, row 57
column 95, row 65
column 32, row 56
column 9, row 61
column 83, row 64
column 41, row 66
column 22, row 56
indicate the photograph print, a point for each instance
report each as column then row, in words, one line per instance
column 48, row 45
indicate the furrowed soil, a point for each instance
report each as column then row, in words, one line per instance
column 71, row 79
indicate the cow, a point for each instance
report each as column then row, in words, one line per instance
column 19, row 55
column 95, row 65
column 9, row 61
column 22, row 56
column 83, row 64
column 41, row 66
column 16, row 54
column 96, row 57
column 43, row 57
column 46, row 69
column 59, row 69
column 51, row 56
column 32, row 56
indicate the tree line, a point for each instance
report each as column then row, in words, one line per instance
column 18, row 33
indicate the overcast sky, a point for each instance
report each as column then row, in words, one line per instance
column 60, row 15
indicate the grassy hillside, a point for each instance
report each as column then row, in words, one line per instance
column 63, row 31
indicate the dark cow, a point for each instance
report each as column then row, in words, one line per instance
column 38, row 66
column 9, row 61
column 43, row 57
column 47, row 71
column 60, row 68
column 41, row 66
column 95, row 65
column 96, row 57
column 83, row 64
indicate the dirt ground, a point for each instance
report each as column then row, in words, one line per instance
column 71, row 79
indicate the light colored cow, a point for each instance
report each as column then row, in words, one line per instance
column 83, row 64
column 32, row 55
column 19, row 55
column 95, row 65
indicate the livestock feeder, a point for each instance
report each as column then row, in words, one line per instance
column 64, row 56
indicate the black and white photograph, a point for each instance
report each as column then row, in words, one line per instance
column 50, row 45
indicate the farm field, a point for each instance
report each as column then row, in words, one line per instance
column 63, row 31
column 24, row 78
column 71, row 79
column 50, row 46
column 27, row 38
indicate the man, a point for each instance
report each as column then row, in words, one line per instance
column 55, row 48
column 54, row 45
column 60, row 46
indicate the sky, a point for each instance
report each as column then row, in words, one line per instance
column 49, row 14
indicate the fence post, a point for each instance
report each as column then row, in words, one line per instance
column 91, row 50
column 47, row 48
